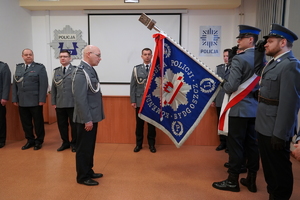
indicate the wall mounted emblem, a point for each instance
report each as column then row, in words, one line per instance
column 68, row 39
column 210, row 41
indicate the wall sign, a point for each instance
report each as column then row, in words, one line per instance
column 210, row 41
column 68, row 39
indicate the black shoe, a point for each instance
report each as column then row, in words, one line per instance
column 2, row 144
column 250, row 182
column 137, row 148
column 230, row 184
column 226, row 185
column 222, row 146
column 89, row 182
column 73, row 149
column 37, row 146
column 226, row 165
column 27, row 146
column 97, row 175
column 63, row 147
column 152, row 149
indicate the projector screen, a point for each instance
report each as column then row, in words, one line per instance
column 121, row 38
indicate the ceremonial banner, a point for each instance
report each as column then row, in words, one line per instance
column 179, row 90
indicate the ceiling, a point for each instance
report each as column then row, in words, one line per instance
column 121, row 5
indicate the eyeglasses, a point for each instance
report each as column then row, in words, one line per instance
column 98, row 55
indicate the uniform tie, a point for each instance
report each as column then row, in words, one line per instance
column 263, row 70
column 26, row 67
column 147, row 68
column 95, row 73
column 226, row 68
column 64, row 70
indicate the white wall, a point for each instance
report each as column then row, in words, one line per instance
column 44, row 21
column 196, row 18
column 43, row 25
column 292, row 19
column 37, row 33
column 15, row 32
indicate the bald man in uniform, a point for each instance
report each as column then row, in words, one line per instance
column 88, row 111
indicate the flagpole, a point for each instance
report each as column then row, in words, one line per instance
column 150, row 24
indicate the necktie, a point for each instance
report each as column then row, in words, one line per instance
column 226, row 68
column 263, row 70
column 26, row 67
column 147, row 68
column 95, row 73
column 64, row 70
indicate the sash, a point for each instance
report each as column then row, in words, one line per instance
column 243, row 90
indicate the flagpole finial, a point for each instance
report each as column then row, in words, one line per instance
column 147, row 21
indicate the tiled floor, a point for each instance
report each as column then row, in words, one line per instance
column 170, row 174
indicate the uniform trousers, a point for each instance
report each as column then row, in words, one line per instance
column 277, row 168
column 139, row 131
column 241, row 142
column 64, row 118
column 35, row 114
column 2, row 124
column 85, row 147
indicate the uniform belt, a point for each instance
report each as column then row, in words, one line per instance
column 272, row 102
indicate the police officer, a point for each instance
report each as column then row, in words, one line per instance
column 223, row 72
column 276, row 120
column 137, row 86
column 88, row 111
column 29, row 92
column 62, row 100
column 242, row 137
column 5, row 81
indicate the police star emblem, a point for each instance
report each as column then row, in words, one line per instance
column 174, row 89
column 210, row 37
column 68, row 39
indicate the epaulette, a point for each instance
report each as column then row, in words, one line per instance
column 293, row 59
column 220, row 65
column 38, row 63
column 80, row 67
column 57, row 68
column 140, row 65
column 1, row 62
column 20, row 64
